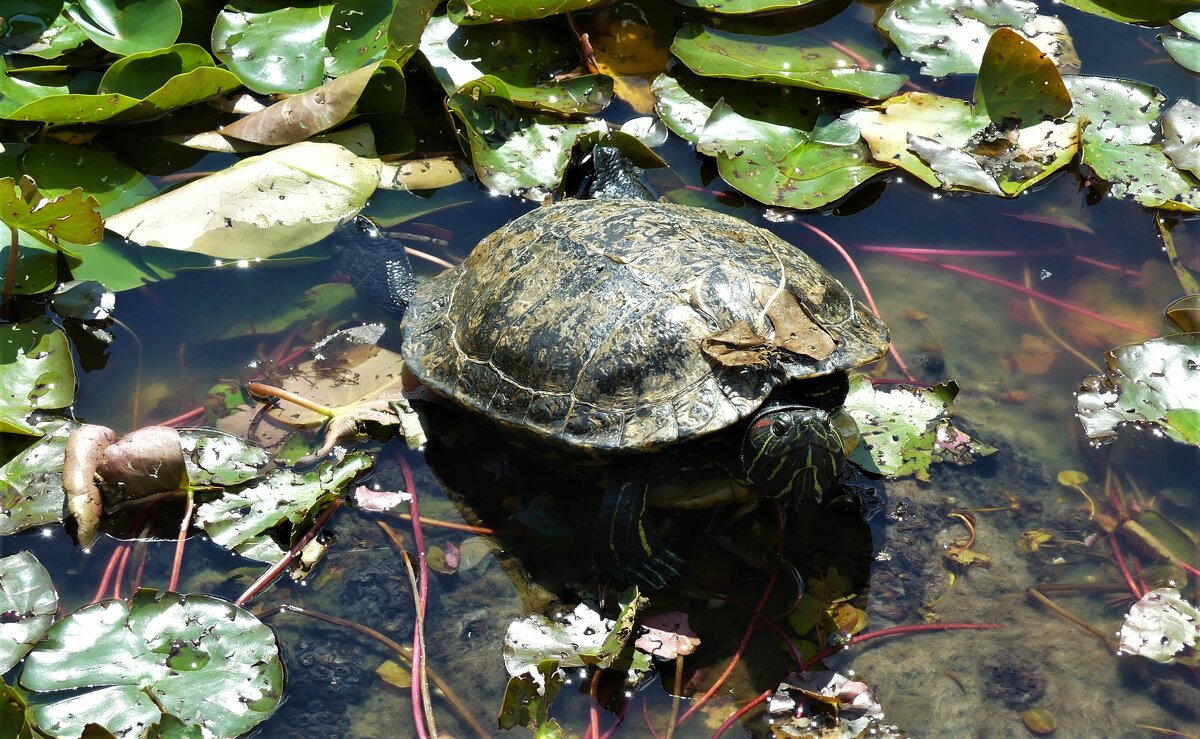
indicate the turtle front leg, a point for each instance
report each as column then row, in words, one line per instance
column 625, row 545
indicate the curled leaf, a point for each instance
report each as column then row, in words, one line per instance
column 84, row 451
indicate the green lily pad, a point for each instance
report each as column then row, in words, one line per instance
column 216, row 459
column 1160, row 626
column 13, row 719
column 355, row 38
column 746, row 52
column 41, row 30
column 949, row 36
column 127, row 26
column 1184, row 50
column 143, row 85
column 1018, row 81
column 523, row 57
column 905, row 429
column 206, row 662
column 70, row 217
column 1117, row 111
column 273, row 48
column 739, row 7
column 529, row 695
column 29, row 604
column 31, row 491
column 1153, row 12
column 473, row 12
column 1151, row 384
column 407, row 24
column 1145, row 174
column 36, row 371
column 59, row 168
column 240, row 519
column 514, row 152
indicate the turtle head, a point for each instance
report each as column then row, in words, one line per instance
column 792, row 450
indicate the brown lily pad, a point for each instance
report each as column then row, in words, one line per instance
column 141, row 463
column 85, row 450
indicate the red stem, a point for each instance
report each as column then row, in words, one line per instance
column 910, row 628
column 418, row 654
column 926, row 251
column 273, row 571
column 184, row 525
column 125, row 552
column 108, row 573
column 737, row 656
column 862, row 284
column 742, row 712
column 184, row 418
column 1032, row 293
column 1120, row 560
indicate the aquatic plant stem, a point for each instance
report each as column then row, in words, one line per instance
column 439, row 523
column 593, row 729
column 761, row 698
column 678, row 688
column 184, row 418
column 273, row 571
column 1040, row 597
column 270, row 391
column 1119, row 558
column 125, row 552
column 423, row 569
column 108, row 573
column 1031, row 293
column 184, row 524
column 894, row 630
column 136, row 411
column 10, row 274
column 862, row 284
column 404, row 654
column 737, row 655
column 1037, row 315
column 422, row 711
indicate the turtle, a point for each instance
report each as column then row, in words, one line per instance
column 616, row 327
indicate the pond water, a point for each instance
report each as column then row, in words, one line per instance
column 964, row 315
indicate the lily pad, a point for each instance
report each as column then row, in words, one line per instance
column 739, row 7
column 129, row 26
column 29, row 604
column 904, row 430
column 59, row 169
column 843, row 707
column 523, row 57
column 1018, row 81
column 1181, row 135
column 514, row 152
column 37, row 372
column 265, row 205
column 182, row 74
column 31, row 489
column 1153, row 12
column 302, row 116
column 1160, row 626
column 472, row 12
column 1184, row 50
column 1155, row 384
column 42, row 30
column 12, row 713
column 206, row 662
column 217, row 459
column 240, row 519
column 1118, row 111
column 746, row 52
column 949, row 36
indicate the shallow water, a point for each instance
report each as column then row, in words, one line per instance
column 1017, row 383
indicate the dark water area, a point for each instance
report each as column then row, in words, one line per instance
column 1017, row 360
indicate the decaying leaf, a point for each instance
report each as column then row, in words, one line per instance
column 84, row 451
column 795, row 331
column 1160, row 626
column 826, row 705
column 143, row 462
column 668, row 635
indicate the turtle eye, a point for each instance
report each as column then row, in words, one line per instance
column 782, row 424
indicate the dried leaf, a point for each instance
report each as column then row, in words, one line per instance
column 393, row 674
column 668, row 635
column 795, row 329
column 85, row 448
column 142, row 462
column 1036, row 355
column 737, row 346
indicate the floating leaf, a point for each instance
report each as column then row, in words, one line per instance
column 903, row 430
column 471, row 12
column 529, row 695
column 29, row 604
column 1160, row 626
column 31, row 483
column 266, row 205
column 42, row 30
column 299, row 117
column 667, row 635
column 71, row 217
column 738, row 7
column 514, row 152
column 845, row 707
column 143, row 85
column 240, row 519
column 37, row 372
column 1184, row 50
column 1153, row 12
column 1018, row 81
column 950, row 36
column 128, row 27
column 1181, row 135
column 1144, row 385
column 206, row 662
column 746, row 52
column 633, row 49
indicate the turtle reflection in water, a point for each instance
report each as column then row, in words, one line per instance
column 615, row 327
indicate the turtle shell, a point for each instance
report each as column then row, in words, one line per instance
column 585, row 323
